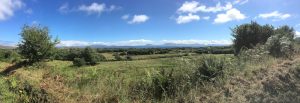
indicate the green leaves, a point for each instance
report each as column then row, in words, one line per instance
column 36, row 44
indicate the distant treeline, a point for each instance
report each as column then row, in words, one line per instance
column 216, row 50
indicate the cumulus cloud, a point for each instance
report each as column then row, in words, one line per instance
column 275, row 16
column 230, row 15
column 93, row 8
column 143, row 42
column 139, row 19
column 187, row 18
column 194, row 7
column 8, row 7
column 297, row 34
column 117, row 43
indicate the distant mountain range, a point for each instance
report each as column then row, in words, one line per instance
column 168, row 45
column 7, row 44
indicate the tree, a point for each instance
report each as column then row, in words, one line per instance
column 36, row 44
column 249, row 35
column 90, row 56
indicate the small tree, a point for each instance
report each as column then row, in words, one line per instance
column 36, row 44
column 249, row 35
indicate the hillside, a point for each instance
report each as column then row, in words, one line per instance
column 274, row 80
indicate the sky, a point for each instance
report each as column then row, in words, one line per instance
column 142, row 22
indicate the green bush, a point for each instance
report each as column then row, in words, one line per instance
column 249, row 35
column 210, row 68
column 280, row 46
column 36, row 44
column 92, row 57
column 79, row 62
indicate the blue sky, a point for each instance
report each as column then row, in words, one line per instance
column 140, row 22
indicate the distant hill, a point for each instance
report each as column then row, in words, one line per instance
column 168, row 45
column 6, row 47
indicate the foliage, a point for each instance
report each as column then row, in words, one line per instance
column 210, row 68
column 117, row 56
column 249, row 35
column 36, row 44
column 89, row 56
column 280, row 46
column 8, row 55
column 79, row 62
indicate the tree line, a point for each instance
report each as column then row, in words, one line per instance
column 37, row 45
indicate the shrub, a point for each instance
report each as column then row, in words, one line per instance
column 91, row 56
column 128, row 57
column 117, row 56
column 210, row 68
column 36, row 44
column 79, row 62
column 249, row 35
column 280, row 46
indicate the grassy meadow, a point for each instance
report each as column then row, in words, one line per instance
column 136, row 81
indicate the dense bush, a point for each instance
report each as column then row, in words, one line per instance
column 79, row 62
column 89, row 55
column 210, row 68
column 36, row 44
column 249, row 35
column 280, row 46
column 8, row 55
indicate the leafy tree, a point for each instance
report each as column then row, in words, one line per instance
column 249, row 35
column 89, row 56
column 36, row 44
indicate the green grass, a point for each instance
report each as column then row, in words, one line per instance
column 133, row 81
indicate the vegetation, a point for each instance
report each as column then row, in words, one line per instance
column 259, row 72
column 36, row 44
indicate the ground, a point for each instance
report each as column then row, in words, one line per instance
column 265, row 80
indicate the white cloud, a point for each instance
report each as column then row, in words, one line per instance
column 201, row 42
column 8, row 7
column 93, row 8
column 125, row 17
column 194, row 7
column 230, row 15
column 139, row 19
column 275, row 16
column 297, row 34
column 64, row 8
column 187, row 18
column 206, row 18
column 117, row 43
column 241, row 2
column 142, row 42
column 97, row 8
